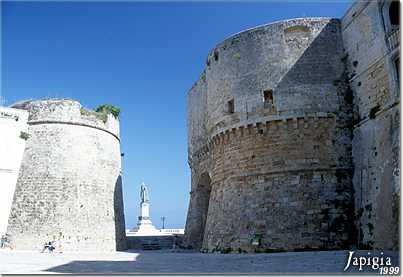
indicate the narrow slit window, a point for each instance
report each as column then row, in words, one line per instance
column 268, row 96
column 231, row 106
column 215, row 55
column 397, row 67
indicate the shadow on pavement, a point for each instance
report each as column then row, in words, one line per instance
column 159, row 262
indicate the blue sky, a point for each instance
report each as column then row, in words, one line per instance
column 142, row 57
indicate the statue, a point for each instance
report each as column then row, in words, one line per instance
column 144, row 193
column 144, row 224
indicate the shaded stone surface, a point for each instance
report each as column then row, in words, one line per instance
column 180, row 262
column 370, row 58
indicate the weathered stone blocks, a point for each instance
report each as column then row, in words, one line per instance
column 371, row 61
column 69, row 186
column 270, row 142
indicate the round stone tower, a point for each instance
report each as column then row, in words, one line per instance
column 269, row 141
column 69, row 187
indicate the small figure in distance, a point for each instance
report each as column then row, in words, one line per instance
column 51, row 246
column 175, row 243
column 48, row 246
column 45, row 247
column 5, row 242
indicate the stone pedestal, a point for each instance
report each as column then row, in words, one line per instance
column 144, row 225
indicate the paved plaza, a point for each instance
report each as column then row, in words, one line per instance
column 20, row 262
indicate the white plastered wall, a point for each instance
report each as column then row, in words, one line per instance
column 12, row 145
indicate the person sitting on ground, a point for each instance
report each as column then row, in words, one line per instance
column 51, row 246
column 45, row 247
column 5, row 242
column 48, row 246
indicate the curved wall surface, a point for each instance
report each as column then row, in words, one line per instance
column 13, row 126
column 69, row 187
column 269, row 138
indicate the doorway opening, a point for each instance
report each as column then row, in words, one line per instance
column 394, row 15
column 203, row 190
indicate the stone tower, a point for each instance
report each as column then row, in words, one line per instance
column 69, row 186
column 269, row 137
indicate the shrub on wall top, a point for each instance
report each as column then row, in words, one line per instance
column 107, row 108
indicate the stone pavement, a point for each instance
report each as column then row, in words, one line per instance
column 165, row 261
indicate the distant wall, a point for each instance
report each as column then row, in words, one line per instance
column 13, row 125
column 372, row 48
column 154, row 242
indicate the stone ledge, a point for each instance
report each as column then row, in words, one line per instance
column 273, row 120
column 277, row 121
column 37, row 122
column 299, row 170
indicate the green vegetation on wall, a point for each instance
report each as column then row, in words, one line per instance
column 106, row 108
column 102, row 112
column 24, row 135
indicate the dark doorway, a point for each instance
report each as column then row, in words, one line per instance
column 231, row 106
column 203, row 190
column 394, row 16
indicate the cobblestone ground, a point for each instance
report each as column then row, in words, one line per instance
column 20, row 262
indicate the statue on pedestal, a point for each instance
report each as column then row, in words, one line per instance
column 144, row 193
column 144, row 225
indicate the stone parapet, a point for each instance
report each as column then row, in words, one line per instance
column 65, row 111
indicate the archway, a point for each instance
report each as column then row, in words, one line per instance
column 203, row 191
column 394, row 16
column 391, row 16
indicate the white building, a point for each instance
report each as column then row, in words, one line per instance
column 13, row 134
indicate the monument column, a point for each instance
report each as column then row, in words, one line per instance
column 144, row 224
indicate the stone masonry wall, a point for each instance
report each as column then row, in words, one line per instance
column 198, row 162
column 69, row 186
column 280, row 180
column 372, row 47
column 269, row 129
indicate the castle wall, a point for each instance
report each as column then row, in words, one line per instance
column 276, row 163
column 13, row 124
column 69, row 186
column 275, row 57
column 372, row 46
column 197, row 111
column 279, row 180
column 199, row 163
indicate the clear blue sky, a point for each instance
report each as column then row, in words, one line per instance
column 142, row 57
